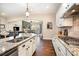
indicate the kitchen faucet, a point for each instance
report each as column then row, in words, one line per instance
column 14, row 34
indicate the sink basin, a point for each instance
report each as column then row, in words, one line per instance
column 17, row 39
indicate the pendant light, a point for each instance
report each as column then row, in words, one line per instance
column 27, row 11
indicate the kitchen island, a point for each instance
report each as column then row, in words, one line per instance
column 25, row 45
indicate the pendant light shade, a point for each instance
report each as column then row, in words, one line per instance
column 27, row 11
column 27, row 14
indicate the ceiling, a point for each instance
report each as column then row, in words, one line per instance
column 19, row 9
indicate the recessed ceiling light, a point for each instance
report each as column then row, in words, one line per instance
column 47, row 7
column 27, row 14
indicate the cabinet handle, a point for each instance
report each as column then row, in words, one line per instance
column 27, row 48
column 65, row 7
column 23, row 46
column 30, row 40
column 68, row 5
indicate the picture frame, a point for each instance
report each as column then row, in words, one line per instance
column 49, row 25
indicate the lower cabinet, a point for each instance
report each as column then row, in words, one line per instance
column 60, row 48
column 23, row 49
column 34, row 45
column 27, row 48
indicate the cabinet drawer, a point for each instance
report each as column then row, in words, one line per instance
column 23, row 49
column 21, row 46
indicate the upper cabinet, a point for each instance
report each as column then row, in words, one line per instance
column 60, row 20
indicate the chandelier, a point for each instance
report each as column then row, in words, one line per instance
column 27, row 11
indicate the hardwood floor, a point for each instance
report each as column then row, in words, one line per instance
column 45, row 48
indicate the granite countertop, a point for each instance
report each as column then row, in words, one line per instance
column 74, row 50
column 5, row 46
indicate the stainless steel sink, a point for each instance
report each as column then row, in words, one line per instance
column 17, row 39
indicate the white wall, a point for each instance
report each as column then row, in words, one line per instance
column 2, row 20
column 47, row 33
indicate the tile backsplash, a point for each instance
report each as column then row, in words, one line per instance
column 75, row 27
column 74, row 31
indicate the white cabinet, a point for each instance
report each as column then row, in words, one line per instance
column 60, row 49
column 34, row 45
column 61, row 22
column 27, row 48
column 65, row 22
column 30, row 47
column 23, row 50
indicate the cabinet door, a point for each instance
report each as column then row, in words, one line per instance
column 22, row 50
column 34, row 45
column 61, row 21
column 30, row 47
column 30, row 50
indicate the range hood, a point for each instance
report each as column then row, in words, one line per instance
column 73, row 11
